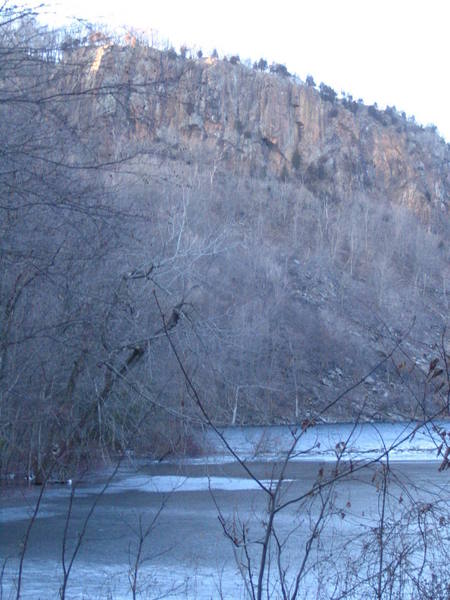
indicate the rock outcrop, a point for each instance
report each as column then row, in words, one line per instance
column 259, row 123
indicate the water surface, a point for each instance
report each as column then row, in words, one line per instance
column 185, row 552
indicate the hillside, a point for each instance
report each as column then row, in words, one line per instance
column 335, row 217
column 290, row 244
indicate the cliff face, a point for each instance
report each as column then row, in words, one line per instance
column 257, row 123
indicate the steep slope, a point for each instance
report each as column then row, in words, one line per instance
column 330, row 220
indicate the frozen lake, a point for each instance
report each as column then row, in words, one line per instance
column 186, row 553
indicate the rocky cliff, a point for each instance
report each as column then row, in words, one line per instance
column 259, row 123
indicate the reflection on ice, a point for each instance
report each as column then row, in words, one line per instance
column 23, row 513
column 321, row 442
column 178, row 483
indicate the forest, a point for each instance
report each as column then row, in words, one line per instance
column 119, row 245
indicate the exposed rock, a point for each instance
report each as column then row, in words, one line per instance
column 257, row 123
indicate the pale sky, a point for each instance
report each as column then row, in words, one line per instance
column 394, row 52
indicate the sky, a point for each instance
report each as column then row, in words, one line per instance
column 393, row 52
